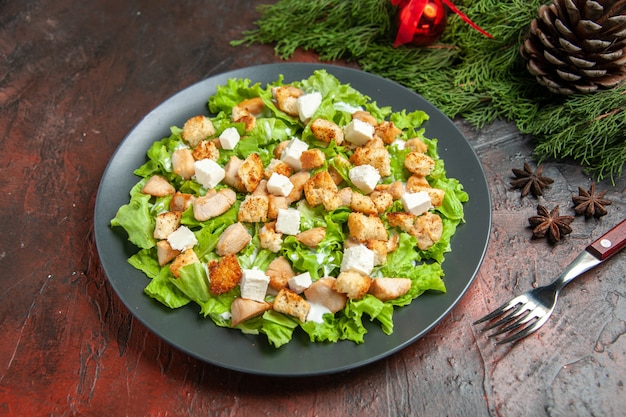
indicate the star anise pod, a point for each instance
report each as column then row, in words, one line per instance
column 529, row 181
column 550, row 224
column 589, row 203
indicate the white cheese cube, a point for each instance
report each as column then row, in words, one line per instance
column 365, row 177
column 279, row 185
column 358, row 132
column 416, row 203
column 316, row 313
column 208, row 173
column 182, row 239
column 253, row 284
column 229, row 138
column 358, row 258
column 293, row 151
column 288, row 221
column 308, row 104
column 300, row 282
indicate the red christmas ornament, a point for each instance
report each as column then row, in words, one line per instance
column 421, row 22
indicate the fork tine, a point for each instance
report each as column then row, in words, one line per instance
column 500, row 310
column 523, row 318
column 511, row 314
column 524, row 332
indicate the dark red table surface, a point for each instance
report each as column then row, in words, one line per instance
column 75, row 77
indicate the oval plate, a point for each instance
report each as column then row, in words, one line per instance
column 189, row 332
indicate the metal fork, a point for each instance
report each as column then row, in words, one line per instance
column 526, row 313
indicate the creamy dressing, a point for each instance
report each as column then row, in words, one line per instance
column 316, row 313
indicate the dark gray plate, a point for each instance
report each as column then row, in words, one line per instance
column 186, row 330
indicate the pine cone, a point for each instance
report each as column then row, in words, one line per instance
column 578, row 45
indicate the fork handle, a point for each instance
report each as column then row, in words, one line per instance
column 609, row 243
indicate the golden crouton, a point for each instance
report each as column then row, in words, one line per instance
column 364, row 228
column 362, row 204
column 427, row 229
column 288, row 302
column 196, row 129
column 379, row 158
column 253, row 209
column 436, row 194
column 417, row 145
column 233, row 239
column 166, row 223
column 380, row 249
column 389, row 288
column 165, row 253
column 158, row 186
column 181, row 201
column 316, row 188
column 286, row 98
column 269, row 238
column 415, row 183
column 402, row 220
column 382, row 200
column 182, row 163
column 353, row 284
column 246, row 111
column 279, row 167
column 365, row 116
column 206, row 149
column 396, row 189
column 326, row 131
column 225, row 274
column 312, row 158
column 419, row 163
column 279, row 271
column 312, row 237
column 188, row 257
column 251, row 172
column 243, row 309
column 387, row 131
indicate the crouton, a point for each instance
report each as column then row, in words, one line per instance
column 402, row 220
column 396, row 189
column 181, row 201
column 365, row 116
column 286, row 98
column 415, row 183
column 326, row 131
column 165, row 253
column 380, row 249
column 233, row 239
column 427, row 229
column 382, row 200
column 316, row 188
column 224, row 274
column 182, row 163
column 288, row 302
column 378, row 157
column 279, row 271
column 312, row 237
column 312, row 158
column 279, row 167
column 364, row 228
column 436, row 194
column 246, row 111
column 386, row 289
column 196, row 129
column 187, row 257
column 322, row 292
column 386, row 131
column 166, row 223
column 251, row 172
column 269, row 238
column 353, row 284
column 243, row 309
column 213, row 204
column 419, row 163
column 206, row 149
column 253, row 208
column 158, row 186
column 362, row 204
